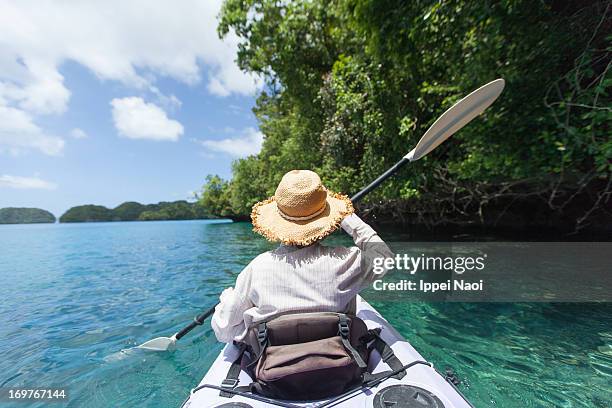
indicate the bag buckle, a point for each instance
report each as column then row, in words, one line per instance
column 387, row 354
column 344, row 329
column 229, row 383
column 262, row 333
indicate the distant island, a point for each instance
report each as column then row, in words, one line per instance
column 134, row 211
column 14, row 215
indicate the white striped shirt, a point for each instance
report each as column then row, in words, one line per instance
column 292, row 279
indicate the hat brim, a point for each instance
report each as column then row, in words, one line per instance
column 268, row 222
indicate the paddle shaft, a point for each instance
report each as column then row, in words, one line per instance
column 391, row 171
column 197, row 321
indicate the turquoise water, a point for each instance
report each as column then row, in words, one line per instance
column 73, row 296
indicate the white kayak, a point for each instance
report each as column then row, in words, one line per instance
column 422, row 386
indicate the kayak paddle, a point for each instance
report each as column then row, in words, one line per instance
column 456, row 117
column 167, row 343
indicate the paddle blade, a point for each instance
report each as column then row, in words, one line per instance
column 459, row 115
column 159, row 344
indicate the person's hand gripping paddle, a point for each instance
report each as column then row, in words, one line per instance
column 459, row 115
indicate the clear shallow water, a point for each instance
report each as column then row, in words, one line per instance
column 73, row 296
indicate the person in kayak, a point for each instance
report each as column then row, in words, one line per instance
column 300, row 275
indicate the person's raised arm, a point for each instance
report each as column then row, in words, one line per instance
column 228, row 319
column 370, row 245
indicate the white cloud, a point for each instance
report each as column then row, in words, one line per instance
column 33, row 85
column 25, row 182
column 136, row 119
column 77, row 133
column 249, row 142
column 168, row 102
column 18, row 133
column 135, row 43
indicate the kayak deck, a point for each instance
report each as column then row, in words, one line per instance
column 419, row 375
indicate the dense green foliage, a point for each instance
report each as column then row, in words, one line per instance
column 133, row 211
column 13, row 215
column 129, row 211
column 177, row 210
column 87, row 213
column 353, row 84
column 215, row 197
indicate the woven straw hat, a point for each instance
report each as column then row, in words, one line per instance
column 301, row 211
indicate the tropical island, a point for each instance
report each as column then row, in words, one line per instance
column 134, row 211
column 16, row 215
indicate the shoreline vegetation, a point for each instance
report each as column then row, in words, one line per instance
column 134, row 211
column 21, row 215
column 351, row 86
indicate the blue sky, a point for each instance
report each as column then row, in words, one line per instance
column 102, row 103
